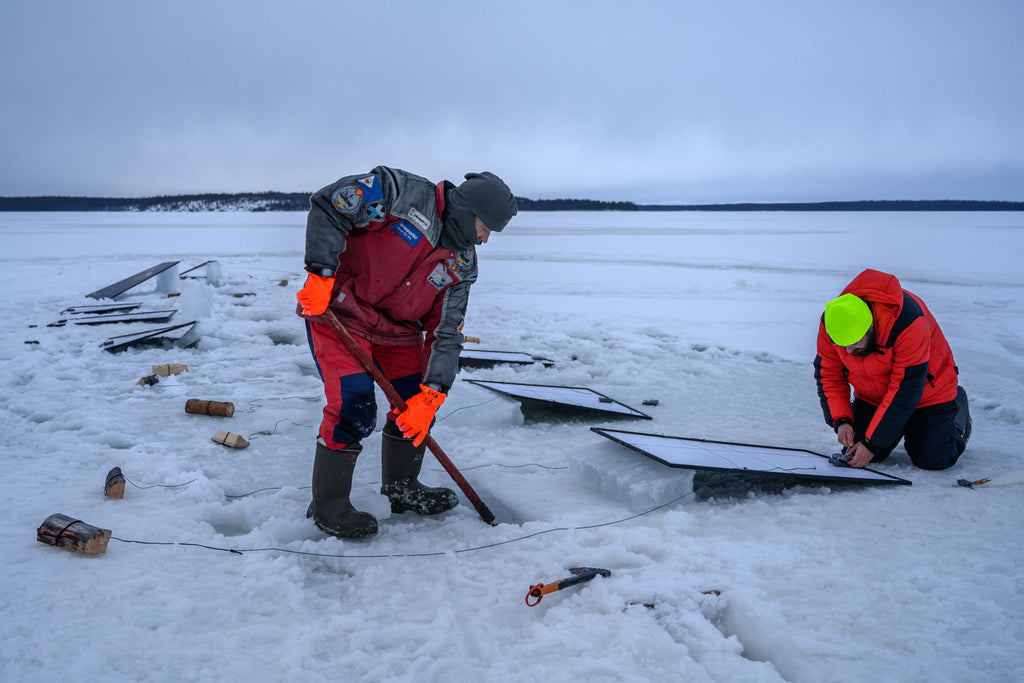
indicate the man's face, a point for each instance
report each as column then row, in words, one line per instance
column 865, row 346
column 483, row 233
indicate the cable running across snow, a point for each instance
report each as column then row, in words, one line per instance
column 487, row 546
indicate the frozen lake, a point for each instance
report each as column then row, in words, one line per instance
column 712, row 314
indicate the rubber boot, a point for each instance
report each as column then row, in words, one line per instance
column 400, row 464
column 332, row 483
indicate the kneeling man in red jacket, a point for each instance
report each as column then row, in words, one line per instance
column 884, row 342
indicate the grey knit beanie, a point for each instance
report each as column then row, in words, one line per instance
column 487, row 196
column 483, row 195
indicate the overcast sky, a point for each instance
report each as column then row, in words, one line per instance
column 714, row 101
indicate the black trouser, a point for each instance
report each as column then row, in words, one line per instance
column 934, row 436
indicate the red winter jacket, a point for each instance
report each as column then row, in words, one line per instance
column 911, row 366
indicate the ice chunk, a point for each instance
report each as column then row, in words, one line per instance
column 633, row 479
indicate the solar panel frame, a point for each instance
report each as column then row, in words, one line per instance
column 97, row 309
column 161, row 316
column 810, row 459
column 485, row 358
column 122, row 286
column 123, row 341
column 603, row 404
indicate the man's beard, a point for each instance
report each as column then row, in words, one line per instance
column 869, row 344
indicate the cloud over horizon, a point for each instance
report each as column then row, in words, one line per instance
column 658, row 102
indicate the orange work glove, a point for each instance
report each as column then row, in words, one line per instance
column 315, row 295
column 419, row 412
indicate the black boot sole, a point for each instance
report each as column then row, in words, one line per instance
column 399, row 505
column 349, row 534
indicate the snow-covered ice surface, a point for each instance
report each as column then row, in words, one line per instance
column 712, row 314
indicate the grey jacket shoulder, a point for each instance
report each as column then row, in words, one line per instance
column 413, row 198
column 356, row 201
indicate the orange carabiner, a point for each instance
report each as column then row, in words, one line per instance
column 536, row 592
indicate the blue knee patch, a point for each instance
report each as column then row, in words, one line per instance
column 358, row 413
column 407, row 386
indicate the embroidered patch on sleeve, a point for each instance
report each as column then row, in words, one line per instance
column 419, row 220
column 464, row 261
column 347, row 199
column 408, row 233
column 440, row 277
column 372, row 190
column 375, row 211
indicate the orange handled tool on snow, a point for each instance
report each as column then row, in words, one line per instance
column 579, row 575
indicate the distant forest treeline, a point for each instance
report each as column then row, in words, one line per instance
column 864, row 205
column 251, row 201
column 299, row 201
column 261, row 201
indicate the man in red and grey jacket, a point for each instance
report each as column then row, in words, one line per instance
column 393, row 256
column 883, row 340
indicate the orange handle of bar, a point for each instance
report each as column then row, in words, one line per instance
column 539, row 591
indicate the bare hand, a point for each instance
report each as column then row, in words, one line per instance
column 845, row 434
column 860, row 455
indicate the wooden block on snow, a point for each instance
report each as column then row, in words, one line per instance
column 229, row 439
column 114, row 488
column 197, row 406
column 72, row 534
column 168, row 369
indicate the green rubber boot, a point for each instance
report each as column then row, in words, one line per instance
column 332, row 483
column 400, row 464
